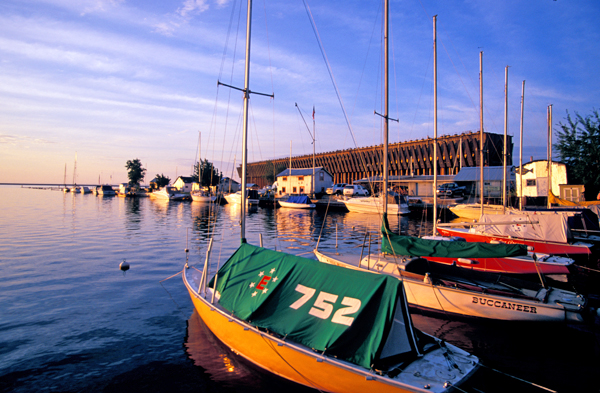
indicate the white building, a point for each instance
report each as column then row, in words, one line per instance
column 300, row 180
column 534, row 180
column 183, row 183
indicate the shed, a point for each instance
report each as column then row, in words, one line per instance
column 493, row 177
column 300, row 180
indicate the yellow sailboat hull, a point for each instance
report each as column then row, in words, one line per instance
column 291, row 361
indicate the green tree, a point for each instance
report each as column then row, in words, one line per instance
column 271, row 170
column 161, row 180
column 135, row 172
column 579, row 149
column 206, row 174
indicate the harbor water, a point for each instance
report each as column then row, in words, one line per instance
column 72, row 321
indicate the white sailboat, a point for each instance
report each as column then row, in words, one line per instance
column 287, row 315
column 201, row 195
column 65, row 188
column 75, row 189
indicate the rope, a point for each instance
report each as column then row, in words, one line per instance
column 169, row 293
column 269, row 343
column 519, row 379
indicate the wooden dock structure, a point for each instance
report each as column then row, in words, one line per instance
column 406, row 158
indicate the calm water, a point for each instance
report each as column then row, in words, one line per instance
column 70, row 320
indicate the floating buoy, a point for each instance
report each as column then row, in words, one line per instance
column 124, row 266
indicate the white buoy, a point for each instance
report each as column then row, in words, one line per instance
column 124, row 266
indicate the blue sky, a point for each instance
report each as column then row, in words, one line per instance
column 114, row 80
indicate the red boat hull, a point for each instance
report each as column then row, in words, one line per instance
column 504, row 265
column 552, row 248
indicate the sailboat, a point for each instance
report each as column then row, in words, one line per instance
column 65, row 188
column 201, row 195
column 322, row 326
column 387, row 202
column 456, row 289
column 75, row 189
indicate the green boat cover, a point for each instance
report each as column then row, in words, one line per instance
column 356, row 316
column 410, row 245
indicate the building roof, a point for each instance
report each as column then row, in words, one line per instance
column 490, row 173
column 185, row 179
column 302, row 171
column 227, row 179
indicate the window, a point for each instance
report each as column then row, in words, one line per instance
column 300, row 178
column 284, row 178
column 530, row 182
column 321, row 176
column 283, row 189
column 294, row 190
column 301, row 190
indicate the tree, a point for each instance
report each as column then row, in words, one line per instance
column 206, row 174
column 579, row 149
column 135, row 172
column 271, row 170
column 161, row 180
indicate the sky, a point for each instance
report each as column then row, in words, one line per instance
column 92, row 84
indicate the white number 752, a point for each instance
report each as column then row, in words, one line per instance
column 323, row 306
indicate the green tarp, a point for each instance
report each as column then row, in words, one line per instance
column 413, row 246
column 344, row 312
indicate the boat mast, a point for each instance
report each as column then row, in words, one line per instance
column 386, row 44
column 313, row 137
column 505, row 133
column 75, row 171
column 481, row 130
column 549, row 154
column 245, row 127
column 434, row 126
column 521, row 150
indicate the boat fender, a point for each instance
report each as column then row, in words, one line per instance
column 124, row 266
column 467, row 261
column 427, row 279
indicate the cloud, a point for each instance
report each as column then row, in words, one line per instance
column 14, row 140
column 193, row 6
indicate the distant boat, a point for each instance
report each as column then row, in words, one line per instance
column 297, row 202
column 85, row 190
column 236, row 198
column 169, row 193
column 397, row 204
column 65, row 188
column 472, row 211
column 105, row 190
column 202, row 197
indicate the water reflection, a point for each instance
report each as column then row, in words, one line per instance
column 227, row 369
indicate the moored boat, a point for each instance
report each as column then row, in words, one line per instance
column 105, row 190
column 353, row 334
column 297, row 202
column 374, row 205
column 548, row 234
column 464, row 291
column 169, row 193
column 236, row 198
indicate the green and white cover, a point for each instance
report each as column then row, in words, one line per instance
column 355, row 316
column 414, row 246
